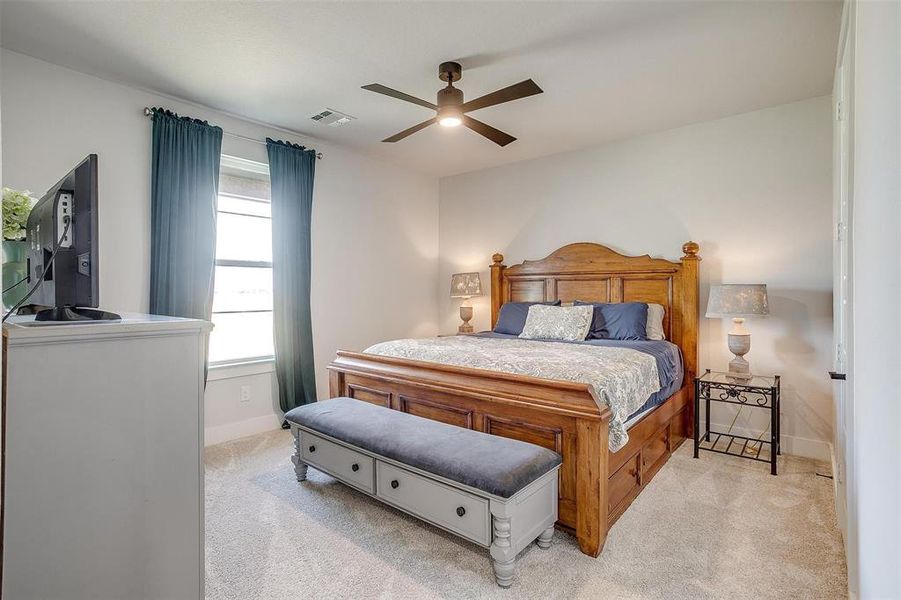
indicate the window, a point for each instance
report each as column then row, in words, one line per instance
column 242, row 298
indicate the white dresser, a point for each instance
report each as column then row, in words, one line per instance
column 103, row 459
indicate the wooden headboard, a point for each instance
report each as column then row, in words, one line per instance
column 595, row 273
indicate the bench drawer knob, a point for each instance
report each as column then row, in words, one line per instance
column 395, row 483
column 461, row 511
column 312, row 448
column 355, row 467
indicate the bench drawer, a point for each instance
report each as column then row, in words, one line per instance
column 457, row 511
column 354, row 468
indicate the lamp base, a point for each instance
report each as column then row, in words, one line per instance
column 739, row 345
column 465, row 315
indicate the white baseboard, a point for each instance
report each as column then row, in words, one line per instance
column 239, row 429
column 793, row 445
column 833, row 466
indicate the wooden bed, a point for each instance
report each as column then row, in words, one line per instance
column 596, row 485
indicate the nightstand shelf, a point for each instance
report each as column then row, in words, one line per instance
column 736, row 445
column 758, row 392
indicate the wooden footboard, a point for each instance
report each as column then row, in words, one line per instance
column 559, row 415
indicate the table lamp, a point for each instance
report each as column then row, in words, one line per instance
column 465, row 285
column 738, row 300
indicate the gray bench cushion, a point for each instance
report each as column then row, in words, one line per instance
column 496, row 465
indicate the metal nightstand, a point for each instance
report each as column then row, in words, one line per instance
column 760, row 392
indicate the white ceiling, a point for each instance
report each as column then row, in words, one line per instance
column 609, row 70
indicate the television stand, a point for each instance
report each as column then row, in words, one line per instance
column 71, row 313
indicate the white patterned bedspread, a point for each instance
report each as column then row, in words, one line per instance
column 622, row 378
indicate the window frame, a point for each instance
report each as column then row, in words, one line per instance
column 241, row 164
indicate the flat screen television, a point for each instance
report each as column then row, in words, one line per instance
column 61, row 234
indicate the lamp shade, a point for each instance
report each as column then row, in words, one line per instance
column 737, row 300
column 465, row 285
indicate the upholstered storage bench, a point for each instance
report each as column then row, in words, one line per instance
column 493, row 491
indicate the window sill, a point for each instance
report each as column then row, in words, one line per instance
column 231, row 370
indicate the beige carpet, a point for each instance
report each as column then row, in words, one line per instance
column 716, row 527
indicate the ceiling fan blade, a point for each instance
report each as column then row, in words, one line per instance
column 381, row 89
column 495, row 135
column 523, row 89
column 399, row 136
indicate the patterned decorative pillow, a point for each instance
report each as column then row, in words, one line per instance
column 565, row 323
column 512, row 317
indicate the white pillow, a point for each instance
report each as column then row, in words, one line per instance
column 655, row 322
column 565, row 323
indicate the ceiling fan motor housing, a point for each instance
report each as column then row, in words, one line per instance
column 449, row 101
column 449, row 96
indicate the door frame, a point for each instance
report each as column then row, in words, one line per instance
column 843, row 148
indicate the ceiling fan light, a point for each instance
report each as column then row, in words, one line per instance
column 450, row 115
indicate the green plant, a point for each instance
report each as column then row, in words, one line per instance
column 16, row 208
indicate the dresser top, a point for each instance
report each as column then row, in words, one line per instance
column 26, row 329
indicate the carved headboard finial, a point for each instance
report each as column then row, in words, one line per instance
column 690, row 249
column 498, row 258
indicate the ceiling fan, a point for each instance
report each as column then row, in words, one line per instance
column 450, row 108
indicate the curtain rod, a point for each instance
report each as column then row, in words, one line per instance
column 149, row 112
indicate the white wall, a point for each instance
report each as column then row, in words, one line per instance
column 753, row 190
column 373, row 223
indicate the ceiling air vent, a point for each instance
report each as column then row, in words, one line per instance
column 332, row 118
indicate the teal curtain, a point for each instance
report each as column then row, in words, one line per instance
column 291, row 170
column 183, row 194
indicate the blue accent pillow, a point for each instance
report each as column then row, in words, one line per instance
column 512, row 317
column 618, row 321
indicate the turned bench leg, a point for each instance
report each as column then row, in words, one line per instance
column 503, row 572
column 501, row 550
column 544, row 540
column 300, row 467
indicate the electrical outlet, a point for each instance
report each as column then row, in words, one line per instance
column 245, row 394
